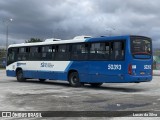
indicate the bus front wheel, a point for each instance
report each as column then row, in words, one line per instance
column 20, row 77
column 74, row 80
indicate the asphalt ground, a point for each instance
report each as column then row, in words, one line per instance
column 59, row 96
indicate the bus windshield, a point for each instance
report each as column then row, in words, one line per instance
column 141, row 47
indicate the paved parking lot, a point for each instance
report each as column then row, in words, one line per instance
column 59, row 96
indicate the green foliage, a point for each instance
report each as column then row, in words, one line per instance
column 33, row 40
column 157, row 53
column 2, row 53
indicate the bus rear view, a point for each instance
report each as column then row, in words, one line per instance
column 140, row 63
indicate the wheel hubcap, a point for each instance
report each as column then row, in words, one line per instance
column 74, row 79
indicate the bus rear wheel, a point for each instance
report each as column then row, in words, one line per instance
column 20, row 77
column 96, row 84
column 74, row 80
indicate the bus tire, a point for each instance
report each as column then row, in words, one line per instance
column 96, row 84
column 74, row 80
column 42, row 80
column 20, row 77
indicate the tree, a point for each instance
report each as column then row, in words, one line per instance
column 33, row 40
column 156, row 52
column 2, row 53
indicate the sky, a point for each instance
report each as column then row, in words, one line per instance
column 66, row 19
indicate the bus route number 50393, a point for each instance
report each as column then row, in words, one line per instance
column 114, row 67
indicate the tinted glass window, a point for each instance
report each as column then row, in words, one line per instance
column 22, row 50
column 22, row 54
column 34, row 49
column 35, row 53
column 107, row 51
column 61, row 52
column 11, row 55
column 47, row 53
column 141, row 47
column 79, row 51
column 99, row 51
column 119, row 50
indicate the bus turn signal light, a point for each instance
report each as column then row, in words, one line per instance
column 130, row 69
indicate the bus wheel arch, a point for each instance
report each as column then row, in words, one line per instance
column 73, row 78
column 20, row 75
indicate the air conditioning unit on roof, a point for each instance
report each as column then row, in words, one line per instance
column 52, row 39
column 81, row 37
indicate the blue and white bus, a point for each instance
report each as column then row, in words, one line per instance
column 83, row 60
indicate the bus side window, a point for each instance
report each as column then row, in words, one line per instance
column 46, row 52
column 112, row 51
column 84, row 52
column 34, row 53
column 53, row 52
column 107, row 50
column 62, row 52
column 96, row 51
column 99, row 51
column 79, row 52
column 119, row 50
column 22, row 54
column 74, row 51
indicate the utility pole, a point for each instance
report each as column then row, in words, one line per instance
column 7, row 24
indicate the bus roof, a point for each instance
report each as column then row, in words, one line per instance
column 76, row 39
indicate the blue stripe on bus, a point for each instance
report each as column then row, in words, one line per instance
column 93, row 78
column 108, row 38
column 11, row 73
